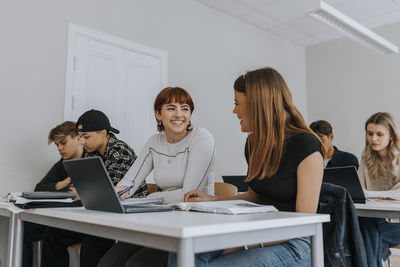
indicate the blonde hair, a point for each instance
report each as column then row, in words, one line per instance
column 273, row 119
column 376, row 170
column 63, row 130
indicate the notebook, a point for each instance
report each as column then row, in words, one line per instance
column 96, row 190
column 346, row 177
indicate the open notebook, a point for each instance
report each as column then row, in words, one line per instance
column 224, row 207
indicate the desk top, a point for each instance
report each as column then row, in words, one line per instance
column 375, row 205
column 7, row 208
column 179, row 224
column 379, row 209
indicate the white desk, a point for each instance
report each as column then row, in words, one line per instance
column 379, row 210
column 187, row 233
column 15, row 236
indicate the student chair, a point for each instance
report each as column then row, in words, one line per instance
column 74, row 254
column 225, row 189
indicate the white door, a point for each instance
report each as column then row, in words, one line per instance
column 117, row 76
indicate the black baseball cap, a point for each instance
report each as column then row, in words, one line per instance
column 94, row 120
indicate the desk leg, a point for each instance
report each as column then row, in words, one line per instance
column 18, row 238
column 317, row 246
column 11, row 239
column 186, row 253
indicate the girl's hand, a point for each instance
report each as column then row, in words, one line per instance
column 195, row 196
column 119, row 189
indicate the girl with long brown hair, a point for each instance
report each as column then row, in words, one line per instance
column 380, row 171
column 285, row 168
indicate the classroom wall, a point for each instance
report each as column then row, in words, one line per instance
column 347, row 82
column 207, row 51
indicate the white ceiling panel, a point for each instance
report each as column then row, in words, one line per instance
column 307, row 41
column 361, row 10
column 289, row 33
column 378, row 21
column 289, row 19
column 259, row 20
column 308, row 26
column 255, row 4
column 228, row 7
column 328, row 35
column 288, row 10
column 338, row 2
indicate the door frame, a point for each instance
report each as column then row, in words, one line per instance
column 75, row 30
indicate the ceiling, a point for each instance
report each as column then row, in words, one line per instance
column 289, row 19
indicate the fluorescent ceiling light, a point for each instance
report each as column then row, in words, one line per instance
column 352, row 28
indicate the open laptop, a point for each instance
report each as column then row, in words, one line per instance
column 238, row 181
column 95, row 189
column 346, row 177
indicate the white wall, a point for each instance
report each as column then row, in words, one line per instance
column 207, row 51
column 348, row 82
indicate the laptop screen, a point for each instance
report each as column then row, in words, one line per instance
column 346, row 177
column 93, row 184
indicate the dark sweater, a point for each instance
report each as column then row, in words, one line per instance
column 56, row 174
column 342, row 159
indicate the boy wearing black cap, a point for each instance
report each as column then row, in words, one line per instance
column 95, row 128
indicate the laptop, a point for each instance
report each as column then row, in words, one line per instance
column 94, row 186
column 238, row 181
column 346, row 177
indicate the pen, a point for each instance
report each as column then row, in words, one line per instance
column 123, row 191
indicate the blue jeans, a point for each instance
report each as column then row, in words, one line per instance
column 379, row 236
column 295, row 252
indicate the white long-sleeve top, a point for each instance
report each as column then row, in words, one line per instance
column 178, row 168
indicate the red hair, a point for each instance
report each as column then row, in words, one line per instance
column 172, row 95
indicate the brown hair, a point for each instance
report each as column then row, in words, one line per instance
column 170, row 95
column 63, row 130
column 273, row 119
column 321, row 127
column 370, row 157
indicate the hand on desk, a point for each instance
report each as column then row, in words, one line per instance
column 72, row 189
column 196, row 196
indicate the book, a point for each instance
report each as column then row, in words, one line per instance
column 39, row 200
column 48, row 195
column 225, row 207
column 142, row 201
column 389, row 194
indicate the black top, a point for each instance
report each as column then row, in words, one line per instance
column 56, row 174
column 342, row 159
column 280, row 190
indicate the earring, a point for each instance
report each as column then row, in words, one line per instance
column 160, row 126
column 189, row 127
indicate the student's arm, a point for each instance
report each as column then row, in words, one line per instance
column 56, row 179
column 120, row 161
column 195, row 196
column 138, row 172
column 309, row 179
